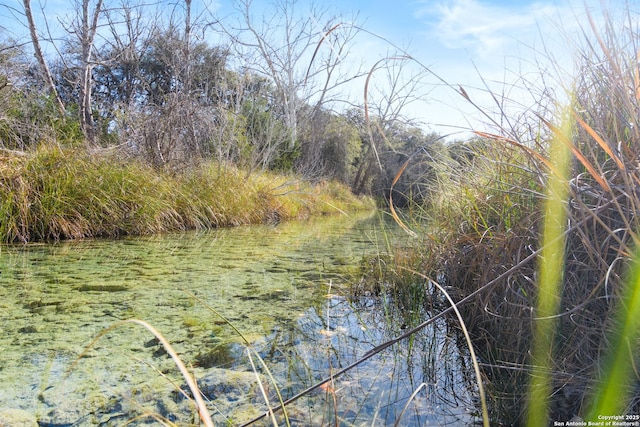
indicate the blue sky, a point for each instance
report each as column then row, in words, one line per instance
column 468, row 41
column 471, row 43
column 507, row 45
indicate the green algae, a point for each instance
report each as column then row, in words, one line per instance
column 270, row 282
column 55, row 298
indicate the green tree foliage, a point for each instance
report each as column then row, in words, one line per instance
column 163, row 91
column 329, row 144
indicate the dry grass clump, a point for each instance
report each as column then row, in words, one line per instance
column 484, row 222
column 54, row 193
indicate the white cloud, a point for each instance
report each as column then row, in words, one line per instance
column 480, row 27
column 495, row 50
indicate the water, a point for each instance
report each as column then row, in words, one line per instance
column 280, row 288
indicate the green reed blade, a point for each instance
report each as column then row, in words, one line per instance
column 613, row 395
column 550, row 269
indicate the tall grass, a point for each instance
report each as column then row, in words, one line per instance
column 539, row 246
column 55, row 193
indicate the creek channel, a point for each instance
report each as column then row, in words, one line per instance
column 284, row 289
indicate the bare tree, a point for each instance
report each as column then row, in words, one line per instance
column 46, row 73
column 326, row 70
column 277, row 58
column 118, row 74
column 300, row 53
column 84, row 28
column 386, row 99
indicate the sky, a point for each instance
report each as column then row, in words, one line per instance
column 493, row 49
column 487, row 47
column 477, row 45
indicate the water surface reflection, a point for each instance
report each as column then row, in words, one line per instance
column 338, row 333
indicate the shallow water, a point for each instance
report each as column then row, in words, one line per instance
column 280, row 287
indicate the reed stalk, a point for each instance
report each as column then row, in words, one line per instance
column 550, row 279
column 620, row 367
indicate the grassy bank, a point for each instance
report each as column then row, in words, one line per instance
column 54, row 193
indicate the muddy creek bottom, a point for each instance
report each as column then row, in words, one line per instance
column 257, row 313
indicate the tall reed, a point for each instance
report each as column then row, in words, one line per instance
column 550, row 278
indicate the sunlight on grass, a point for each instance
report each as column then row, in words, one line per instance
column 54, row 193
column 551, row 268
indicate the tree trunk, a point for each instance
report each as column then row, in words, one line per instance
column 87, row 35
column 46, row 73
